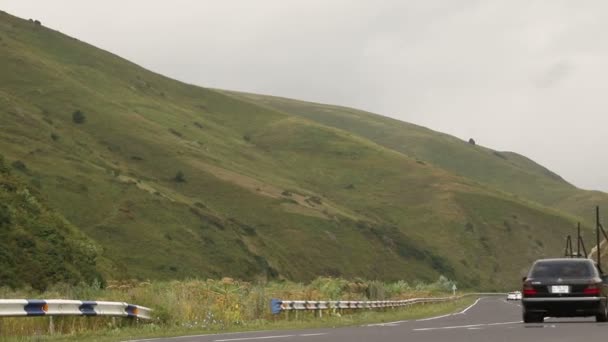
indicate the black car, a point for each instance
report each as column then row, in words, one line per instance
column 566, row 287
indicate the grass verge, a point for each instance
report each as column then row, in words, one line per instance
column 280, row 322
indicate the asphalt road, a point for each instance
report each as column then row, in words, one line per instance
column 489, row 319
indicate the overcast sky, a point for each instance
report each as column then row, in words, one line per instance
column 524, row 76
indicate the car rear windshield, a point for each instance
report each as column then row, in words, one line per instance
column 562, row 269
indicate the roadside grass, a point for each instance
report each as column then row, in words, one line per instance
column 125, row 329
column 212, row 306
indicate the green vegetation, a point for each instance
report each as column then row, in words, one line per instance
column 79, row 117
column 175, row 181
column 506, row 171
column 38, row 247
column 211, row 306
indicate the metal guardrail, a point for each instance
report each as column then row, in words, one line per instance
column 65, row 307
column 278, row 305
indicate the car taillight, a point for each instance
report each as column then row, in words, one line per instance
column 592, row 290
column 528, row 290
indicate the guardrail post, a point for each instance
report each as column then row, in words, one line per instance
column 51, row 326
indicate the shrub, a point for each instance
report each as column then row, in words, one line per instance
column 78, row 117
column 174, row 132
column 179, row 177
column 19, row 165
column 54, row 136
column 5, row 215
column 3, row 167
column 472, row 141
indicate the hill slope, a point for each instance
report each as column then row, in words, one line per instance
column 37, row 246
column 175, row 181
column 506, row 171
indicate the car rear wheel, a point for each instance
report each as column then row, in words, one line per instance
column 533, row 318
column 603, row 315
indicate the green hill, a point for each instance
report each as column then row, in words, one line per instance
column 505, row 171
column 38, row 247
column 175, row 181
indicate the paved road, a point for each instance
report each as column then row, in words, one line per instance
column 489, row 319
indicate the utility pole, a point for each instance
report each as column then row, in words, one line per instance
column 578, row 241
column 597, row 236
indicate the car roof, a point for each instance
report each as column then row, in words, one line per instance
column 565, row 260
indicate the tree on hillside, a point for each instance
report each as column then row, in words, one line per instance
column 78, row 117
column 472, row 141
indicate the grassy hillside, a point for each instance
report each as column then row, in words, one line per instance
column 38, row 247
column 175, row 181
column 505, row 171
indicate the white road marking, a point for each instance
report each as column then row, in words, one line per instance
column 268, row 337
column 254, row 338
column 193, row 336
column 432, row 318
column 394, row 324
column 467, row 326
column 469, row 307
column 387, row 324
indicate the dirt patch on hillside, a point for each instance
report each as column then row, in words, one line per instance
column 309, row 205
column 143, row 186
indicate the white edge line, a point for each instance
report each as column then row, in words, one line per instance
column 253, row 338
column 469, row 307
column 310, row 335
column 200, row 335
column 426, row 319
column 467, row 326
column 432, row 318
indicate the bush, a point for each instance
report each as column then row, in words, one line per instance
column 176, row 133
column 3, row 167
column 19, row 165
column 78, row 117
column 179, row 177
column 472, row 141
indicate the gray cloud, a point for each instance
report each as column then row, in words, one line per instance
column 526, row 76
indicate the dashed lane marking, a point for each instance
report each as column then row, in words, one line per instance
column 254, row 338
column 467, row 326
column 268, row 337
column 432, row 318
